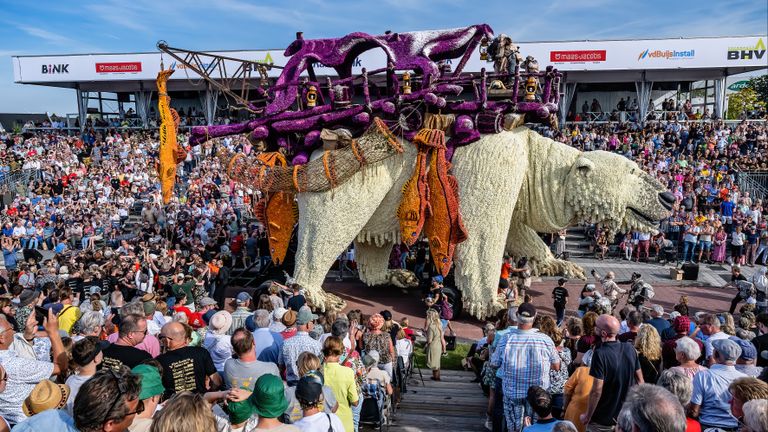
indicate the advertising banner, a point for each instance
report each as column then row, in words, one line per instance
column 649, row 54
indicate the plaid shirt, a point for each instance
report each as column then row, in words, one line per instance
column 292, row 348
column 525, row 361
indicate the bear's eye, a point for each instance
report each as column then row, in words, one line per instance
column 632, row 172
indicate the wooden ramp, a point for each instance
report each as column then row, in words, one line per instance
column 452, row 404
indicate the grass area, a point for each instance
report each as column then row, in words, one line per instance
column 450, row 362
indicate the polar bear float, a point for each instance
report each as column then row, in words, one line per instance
column 511, row 185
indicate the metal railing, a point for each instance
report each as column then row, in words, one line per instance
column 754, row 182
column 17, row 182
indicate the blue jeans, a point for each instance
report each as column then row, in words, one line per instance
column 688, row 246
column 356, row 412
column 497, row 415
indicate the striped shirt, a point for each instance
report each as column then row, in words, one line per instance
column 525, row 361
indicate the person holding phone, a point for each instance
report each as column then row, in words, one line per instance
column 24, row 373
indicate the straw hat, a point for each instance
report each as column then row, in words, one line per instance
column 46, row 395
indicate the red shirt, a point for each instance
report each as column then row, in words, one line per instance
column 692, row 425
column 505, row 269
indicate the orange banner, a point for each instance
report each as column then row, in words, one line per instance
column 169, row 147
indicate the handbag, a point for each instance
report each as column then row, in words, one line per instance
column 450, row 343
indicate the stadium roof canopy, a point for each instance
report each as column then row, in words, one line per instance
column 642, row 61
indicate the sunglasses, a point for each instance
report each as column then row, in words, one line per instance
column 121, row 389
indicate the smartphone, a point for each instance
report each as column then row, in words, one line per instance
column 41, row 314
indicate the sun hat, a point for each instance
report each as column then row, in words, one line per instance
column 239, row 412
column 220, row 323
column 289, row 318
column 46, row 395
column 305, row 316
column 268, row 397
column 148, row 297
column 278, row 313
column 151, row 382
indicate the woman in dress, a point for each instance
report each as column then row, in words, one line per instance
column 375, row 339
column 718, row 250
column 435, row 343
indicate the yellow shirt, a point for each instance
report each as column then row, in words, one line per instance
column 341, row 380
column 68, row 317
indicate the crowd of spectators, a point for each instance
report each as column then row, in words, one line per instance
column 114, row 314
column 108, row 295
column 683, row 371
column 699, row 162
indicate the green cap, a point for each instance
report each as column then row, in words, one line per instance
column 151, row 383
column 268, row 397
column 239, row 412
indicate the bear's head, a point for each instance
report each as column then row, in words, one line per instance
column 613, row 192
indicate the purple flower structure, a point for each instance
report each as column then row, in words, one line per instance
column 401, row 101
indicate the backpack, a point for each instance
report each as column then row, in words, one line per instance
column 648, row 291
column 446, row 310
column 746, row 289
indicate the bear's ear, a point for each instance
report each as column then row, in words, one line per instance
column 584, row 165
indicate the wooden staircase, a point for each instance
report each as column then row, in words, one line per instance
column 452, row 404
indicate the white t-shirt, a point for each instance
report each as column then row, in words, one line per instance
column 320, row 422
column 75, row 382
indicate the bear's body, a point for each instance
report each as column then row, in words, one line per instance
column 511, row 185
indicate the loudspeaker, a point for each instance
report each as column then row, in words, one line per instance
column 32, row 253
column 690, row 271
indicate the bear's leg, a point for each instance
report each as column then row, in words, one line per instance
column 489, row 174
column 330, row 221
column 523, row 241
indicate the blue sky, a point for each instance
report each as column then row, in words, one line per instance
column 88, row 26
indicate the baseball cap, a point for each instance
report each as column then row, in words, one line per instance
column 309, row 389
column 526, row 310
column 748, row 350
column 438, row 279
column 243, row 297
column 387, row 315
column 728, row 349
column 305, row 315
column 589, row 287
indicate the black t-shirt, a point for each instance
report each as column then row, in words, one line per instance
column 118, row 355
column 560, row 295
column 615, row 363
column 185, row 369
column 296, row 302
column 761, row 343
column 75, row 284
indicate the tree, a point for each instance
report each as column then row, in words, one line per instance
column 744, row 100
column 760, row 86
